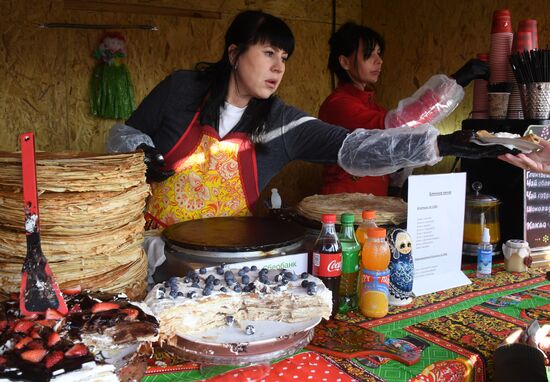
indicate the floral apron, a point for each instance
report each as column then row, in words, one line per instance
column 213, row 177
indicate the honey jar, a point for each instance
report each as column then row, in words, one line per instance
column 516, row 255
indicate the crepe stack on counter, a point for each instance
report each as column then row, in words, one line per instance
column 389, row 210
column 91, row 220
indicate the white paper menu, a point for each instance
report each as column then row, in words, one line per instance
column 435, row 221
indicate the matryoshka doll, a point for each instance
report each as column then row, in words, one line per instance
column 401, row 267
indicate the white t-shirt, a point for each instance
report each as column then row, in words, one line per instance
column 229, row 117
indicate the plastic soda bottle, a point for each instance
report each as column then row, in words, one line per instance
column 485, row 255
column 375, row 276
column 350, row 264
column 327, row 258
column 369, row 221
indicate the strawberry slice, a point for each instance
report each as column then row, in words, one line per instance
column 3, row 325
column 47, row 323
column 53, row 339
column 52, row 314
column 131, row 314
column 53, row 358
column 34, row 356
column 75, row 308
column 72, row 290
column 35, row 344
column 78, row 350
column 104, row 306
column 23, row 326
column 23, row 342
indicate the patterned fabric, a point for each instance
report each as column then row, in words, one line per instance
column 207, row 183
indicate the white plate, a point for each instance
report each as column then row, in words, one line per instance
column 265, row 331
column 511, row 143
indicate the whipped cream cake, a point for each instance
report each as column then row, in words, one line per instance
column 218, row 296
column 102, row 338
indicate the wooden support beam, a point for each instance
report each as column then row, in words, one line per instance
column 106, row 6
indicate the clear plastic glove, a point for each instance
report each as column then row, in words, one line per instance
column 381, row 152
column 472, row 70
column 430, row 104
column 154, row 161
column 458, row 144
column 125, row 139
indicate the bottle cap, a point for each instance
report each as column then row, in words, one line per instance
column 376, row 232
column 368, row 214
column 486, row 237
column 328, row 218
column 347, row 218
column 274, row 190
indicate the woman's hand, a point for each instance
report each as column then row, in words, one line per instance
column 541, row 339
column 536, row 161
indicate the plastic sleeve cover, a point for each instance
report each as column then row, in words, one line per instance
column 124, row 139
column 432, row 103
column 381, row 152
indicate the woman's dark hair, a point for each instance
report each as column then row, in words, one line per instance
column 248, row 28
column 345, row 41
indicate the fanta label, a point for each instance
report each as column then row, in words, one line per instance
column 375, row 281
column 327, row 264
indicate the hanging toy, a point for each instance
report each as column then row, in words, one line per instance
column 111, row 89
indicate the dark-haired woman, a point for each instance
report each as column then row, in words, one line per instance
column 356, row 59
column 223, row 134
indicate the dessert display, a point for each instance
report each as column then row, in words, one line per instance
column 526, row 144
column 219, row 296
column 533, row 138
column 102, row 338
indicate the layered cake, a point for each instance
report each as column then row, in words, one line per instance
column 217, row 296
column 102, row 338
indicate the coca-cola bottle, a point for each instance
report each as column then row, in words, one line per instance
column 327, row 258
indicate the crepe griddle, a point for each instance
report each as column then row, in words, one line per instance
column 234, row 234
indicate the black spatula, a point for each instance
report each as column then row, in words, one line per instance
column 39, row 291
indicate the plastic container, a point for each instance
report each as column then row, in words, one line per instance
column 350, row 264
column 369, row 221
column 484, row 255
column 375, row 255
column 276, row 201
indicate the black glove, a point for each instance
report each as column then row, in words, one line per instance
column 458, row 144
column 155, row 164
column 471, row 70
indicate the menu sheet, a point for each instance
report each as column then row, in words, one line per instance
column 435, row 221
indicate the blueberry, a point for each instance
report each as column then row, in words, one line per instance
column 202, row 271
column 311, row 289
column 219, row 271
column 162, row 289
column 250, row 330
column 229, row 320
column 278, row 278
column 192, row 294
column 230, row 282
column 195, row 285
column 190, row 274
column 284, row 280
column 217, row 282
column 166, row 284
column 210, row 278
column 186, row 280
column 222, row 265
column 237, row 288
column 246, row 269
column 246, row 279
column 207, row 292
column 228, row 275
column 180, row 294
column 277, row 288
column 223, row 289
column 173, row 293
column 305, row 283
column 253, row 268
column 264, row 270
column 264, row 280
column 304, row 275
column 241, row 272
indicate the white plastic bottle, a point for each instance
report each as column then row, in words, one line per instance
column 484, row 255
column 275, row 199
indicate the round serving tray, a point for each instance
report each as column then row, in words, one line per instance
column 234, row 234
column 231, row 346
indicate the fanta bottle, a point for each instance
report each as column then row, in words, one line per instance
column 369, row 221
column 375, row 276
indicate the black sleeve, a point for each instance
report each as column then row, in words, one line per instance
column 519, row 362
column 148, row 116
column 310, row 139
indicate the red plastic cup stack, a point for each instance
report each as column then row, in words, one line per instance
column 501, row 45
column 530, row 25
column 480, row 108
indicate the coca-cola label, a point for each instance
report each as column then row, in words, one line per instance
column 327, row 264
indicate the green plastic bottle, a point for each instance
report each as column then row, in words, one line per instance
column 350, row 264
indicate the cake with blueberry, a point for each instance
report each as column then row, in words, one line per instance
column 213, row 297
column 102, row 338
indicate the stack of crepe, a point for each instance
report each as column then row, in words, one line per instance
column 389, row 210
column 91, row 220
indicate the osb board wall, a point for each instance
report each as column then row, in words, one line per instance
column 45, row 72
column 425, row 37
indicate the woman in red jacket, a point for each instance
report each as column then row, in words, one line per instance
column 356, row 59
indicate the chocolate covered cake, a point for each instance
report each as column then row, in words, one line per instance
column 102, row 338
column 213, row 297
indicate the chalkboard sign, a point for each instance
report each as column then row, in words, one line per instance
column 536, row 216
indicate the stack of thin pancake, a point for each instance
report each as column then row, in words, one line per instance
column 91, row 220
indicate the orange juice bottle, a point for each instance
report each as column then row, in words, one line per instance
column 368, row 222
column 375, row 276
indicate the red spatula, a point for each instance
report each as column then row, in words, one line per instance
column 39, row 291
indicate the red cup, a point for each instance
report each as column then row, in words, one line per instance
column 523, row 41
column 501, row 12
column 483, row 56
column 530, row 25
column 502, row 24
